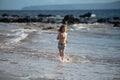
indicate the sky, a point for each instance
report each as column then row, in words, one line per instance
column 19, row 4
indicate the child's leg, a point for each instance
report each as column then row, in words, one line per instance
column 60, row 52
column 63, row 50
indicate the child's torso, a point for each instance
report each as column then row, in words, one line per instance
column 63, row 37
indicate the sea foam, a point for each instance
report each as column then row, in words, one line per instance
column 17, row 35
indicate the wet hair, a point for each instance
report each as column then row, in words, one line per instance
column 61, row 28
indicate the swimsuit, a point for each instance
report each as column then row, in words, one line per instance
column 61, row 46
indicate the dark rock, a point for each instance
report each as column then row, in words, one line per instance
column 70, row 19
column 5, row 15
column 103, row 20
column 43, row 15
column 15, row 16
column 87, row 15
column 87, row 18
column 48, row 28
column 117, row 24
column 116, row 18
column 5, row 20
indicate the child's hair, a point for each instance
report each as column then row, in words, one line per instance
column 61, row 28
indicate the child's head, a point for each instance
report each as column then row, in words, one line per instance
column 63, row 28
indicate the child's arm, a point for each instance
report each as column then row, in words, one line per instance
column 67, row 41
column 58, row 37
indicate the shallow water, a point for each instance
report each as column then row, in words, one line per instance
column 32, row 54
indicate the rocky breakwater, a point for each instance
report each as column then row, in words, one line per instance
column 69, row 19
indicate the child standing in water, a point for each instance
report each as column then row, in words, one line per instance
column 62, row 37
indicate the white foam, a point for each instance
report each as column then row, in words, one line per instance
column 89, row 27
column 17, row 35
column 93, row 15
column 65, row 59
column 78, row 27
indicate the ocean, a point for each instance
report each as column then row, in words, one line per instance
column 99, row 13
column 30, row 53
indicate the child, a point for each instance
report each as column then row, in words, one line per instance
column 62, row 37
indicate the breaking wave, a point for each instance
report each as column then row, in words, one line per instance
column 17, row 35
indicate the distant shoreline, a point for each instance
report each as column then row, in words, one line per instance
column 109, row 5
column 57, row 10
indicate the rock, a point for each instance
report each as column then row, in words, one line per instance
column 117, row 24
column 48, row 28
column 87, row 18
column 116, row 18
column 115, row 21
column 43, row 15
column 5, row 20
column 87, row 15
column 5, row 15
column 70, row 19
column 103, row 20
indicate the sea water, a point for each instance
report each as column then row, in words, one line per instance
column 32, row 54
column 99, row 13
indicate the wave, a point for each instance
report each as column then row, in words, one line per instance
column 54, row 57
column 78, row 27
column 90, row 27
column 17, row 35
column 77, row 59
